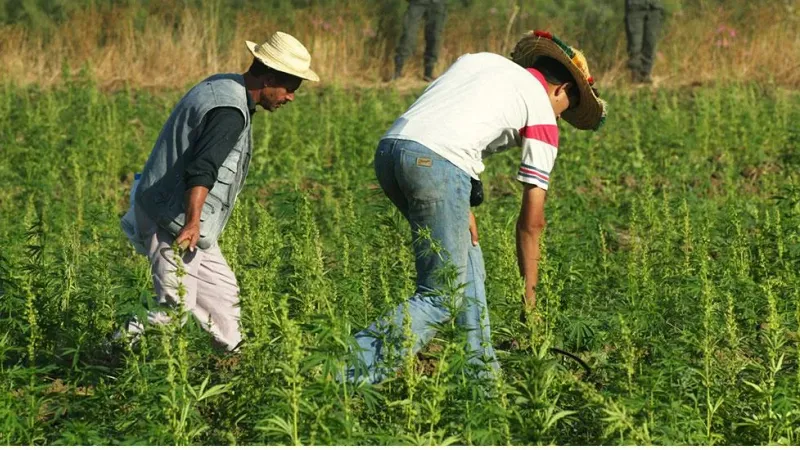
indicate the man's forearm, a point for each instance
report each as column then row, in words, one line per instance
column 528, row 259
column 195, row 198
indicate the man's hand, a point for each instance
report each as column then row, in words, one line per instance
column 190, row 233
column 188, row 236
column 473, row 229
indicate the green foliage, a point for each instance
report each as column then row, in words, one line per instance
column 669, row 266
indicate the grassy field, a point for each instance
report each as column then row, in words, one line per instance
column 671, row 267
column 168, row 43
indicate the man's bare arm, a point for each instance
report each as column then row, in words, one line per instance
column 530, row 225
column 190, row 233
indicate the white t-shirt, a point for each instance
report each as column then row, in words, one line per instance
column 485, row 103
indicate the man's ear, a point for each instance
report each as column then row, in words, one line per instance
column 564, row 87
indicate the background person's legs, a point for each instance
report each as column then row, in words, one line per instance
column 634, row 30
column 408, row 40
column 652, row 29
column 434, row 28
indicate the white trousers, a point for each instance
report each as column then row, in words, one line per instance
column 212, row 294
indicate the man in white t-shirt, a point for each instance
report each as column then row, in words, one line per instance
column 432, row 156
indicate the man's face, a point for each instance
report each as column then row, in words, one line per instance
column 278, row 91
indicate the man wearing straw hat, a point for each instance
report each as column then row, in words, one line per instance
column 190, row 182
column 429, row 164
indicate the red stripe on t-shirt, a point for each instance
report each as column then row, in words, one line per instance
column 545, row 133
column 534, row 172
column 538, row 76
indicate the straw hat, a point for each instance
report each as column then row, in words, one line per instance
column 284, row 53
column 591, row 112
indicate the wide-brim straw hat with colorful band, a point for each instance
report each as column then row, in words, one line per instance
column 590, row 114
column 284, row 53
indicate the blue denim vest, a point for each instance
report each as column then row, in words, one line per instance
column 161, row 191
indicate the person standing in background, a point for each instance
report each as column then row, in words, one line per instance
column 434, row 12
column 643, row 20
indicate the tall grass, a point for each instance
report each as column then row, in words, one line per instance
column 172, row 44
column 669, row 266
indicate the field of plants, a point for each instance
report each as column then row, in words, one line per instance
column 670, row 267
column 136, row 42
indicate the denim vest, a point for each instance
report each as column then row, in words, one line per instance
column 161, row 190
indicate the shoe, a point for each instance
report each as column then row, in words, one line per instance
column 131, row 331
column 641, row 78
column 112, row 352
column 428, row 78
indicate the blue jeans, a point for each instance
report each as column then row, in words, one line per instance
column 431, row 193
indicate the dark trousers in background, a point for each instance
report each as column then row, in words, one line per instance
column 434, row 12
column 642, row 27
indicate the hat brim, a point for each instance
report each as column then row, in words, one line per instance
column 278, row 65
column 588, row 115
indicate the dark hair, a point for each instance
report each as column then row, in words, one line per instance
column 259, row 69
column 555, row 73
